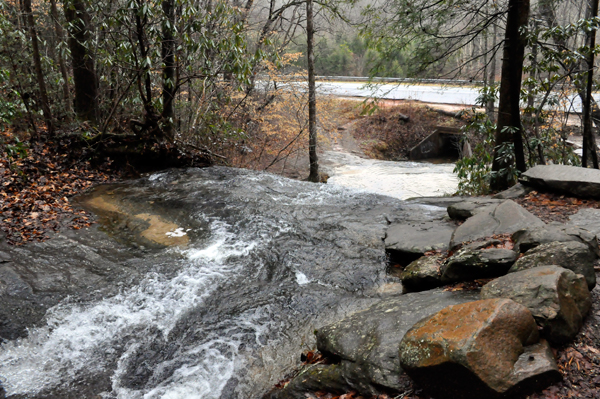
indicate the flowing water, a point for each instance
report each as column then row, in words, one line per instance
column 261, row 262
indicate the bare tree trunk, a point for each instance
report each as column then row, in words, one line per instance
column 84, row 74
column 312, row 96
column 509, row 127
column 490, row 106
column 37, row 61
column 60, row 34
column 590, row 152
column 168, row 56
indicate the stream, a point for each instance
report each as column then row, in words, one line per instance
column 202, row 283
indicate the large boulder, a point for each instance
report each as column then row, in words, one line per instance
column 367, row 345
column 580, row 182
column 588, row 219
column 483, row 349
column 422, row 274
column 469, row 264
column 408, row 241
column 558, row 298
column 530, row 237
column 571, row 255
column 465, row 209
column 504, row 218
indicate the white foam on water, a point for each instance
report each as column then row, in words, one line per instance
column 81, row 338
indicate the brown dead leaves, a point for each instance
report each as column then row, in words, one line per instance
column 552, row 207
column 35, row 191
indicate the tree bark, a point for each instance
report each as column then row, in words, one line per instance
column 168, row 56
column 312, row 96
column 509, row 126
column 490, row 106
column 84, row 74
column 60, row 34
column 37, row 61
column 590, row 153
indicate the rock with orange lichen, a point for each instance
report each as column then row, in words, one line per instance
column 482, row 349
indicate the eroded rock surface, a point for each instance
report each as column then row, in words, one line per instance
column 478, row 350
column 558, row 298
column 504, row 218
column 571, row 255
column 588, row 219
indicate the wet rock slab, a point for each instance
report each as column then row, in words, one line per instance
column 558, row 298
column 580, row 182
column 571, row 255
column 504, row 218
column 406, row 242
column 482, row 349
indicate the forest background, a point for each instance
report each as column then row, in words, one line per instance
column 142, row 85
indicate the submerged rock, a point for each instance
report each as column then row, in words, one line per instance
column 471, row 264
column 504, row 218
column 482, row 349
column 558, row 298
column 580, row 182
column 571, row 255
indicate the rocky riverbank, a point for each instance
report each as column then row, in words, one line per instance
column 536, row 280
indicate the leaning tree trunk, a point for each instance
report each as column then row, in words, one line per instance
column 509, row 128
column 590, row 153
column 490, row 106
column 84, row 74
column 312, row 96
column 37, row 62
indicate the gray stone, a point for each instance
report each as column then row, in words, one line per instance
column 580, row 182
column 475, row 350
column 4, row 257
column 368, row 340
column 466, row 209
column 530, row 237
column 571, row 255
column 558, row 298
column 422, row 274
column 504, row 218
column 406, row 242
column 469, row 264
column 516, row 191
column 588, row 219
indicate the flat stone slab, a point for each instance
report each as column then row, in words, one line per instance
column 406, row 242
column 588, row 219
column 504, row 218
column 516, row 191
column 465, row 209
column 580, row 182
column 531, row 237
